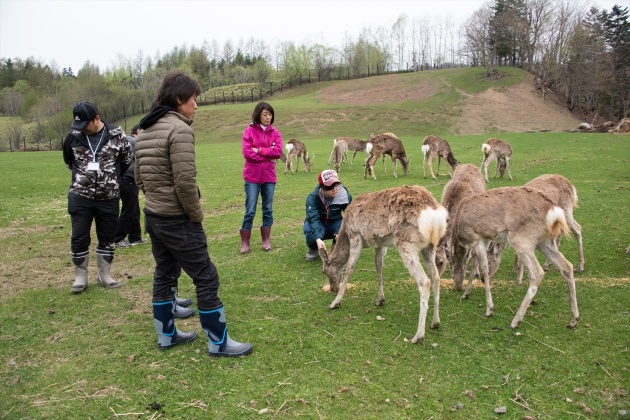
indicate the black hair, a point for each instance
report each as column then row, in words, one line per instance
column 177, row 88
column 259, row 109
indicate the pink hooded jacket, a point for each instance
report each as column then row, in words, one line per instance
column 261, row 167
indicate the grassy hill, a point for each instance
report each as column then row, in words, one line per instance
column 411, row 104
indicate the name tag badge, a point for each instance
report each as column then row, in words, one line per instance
column 93, row 166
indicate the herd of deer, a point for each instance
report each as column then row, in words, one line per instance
column 470, row 224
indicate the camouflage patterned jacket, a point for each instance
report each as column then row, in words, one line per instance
column 114, row 156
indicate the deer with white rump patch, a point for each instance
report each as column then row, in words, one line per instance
column 406, row 217
column 432, row 147
column 496, row 150
column 524, row 218
column 386, row 144
column 564, row 195
column 296, row 150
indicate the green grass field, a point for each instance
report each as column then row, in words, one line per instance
column 94, row 355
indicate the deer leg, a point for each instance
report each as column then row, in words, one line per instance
column 424, row 166
column 431, row 167
column 484, row 165
column 378, row 261
column 576, row 229
column 480, row 253
column 566, row 269
column 438, row 168
column 395, row 163
column 353, row 155
column 458, row 266
column 535, row 272
column 355, row 251
column 496, row 168
column 473, row 270
column 429, row 260
column 410, row 258
column 507, row 165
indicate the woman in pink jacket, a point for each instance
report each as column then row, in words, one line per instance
column 262, row 145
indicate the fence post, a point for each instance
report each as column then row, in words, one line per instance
column 232, row 97
column 223, row 97
column 260, row 91
column 252, row 94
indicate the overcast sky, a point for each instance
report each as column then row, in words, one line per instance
column 75, row 31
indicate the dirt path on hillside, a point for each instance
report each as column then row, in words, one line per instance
column 515, row 109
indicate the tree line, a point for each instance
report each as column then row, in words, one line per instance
column 581, row 52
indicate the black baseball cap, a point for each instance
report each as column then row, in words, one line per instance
column 82, row 114
column 135, row 129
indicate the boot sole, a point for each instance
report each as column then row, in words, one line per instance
column 107, row 286
column 80, row 289
column 245, row 353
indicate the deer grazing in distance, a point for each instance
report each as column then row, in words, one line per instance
column 432, row 147
column 296, row 150
column 564, row 195
column 386, row 144
column 338, row 154
column 498, row 151
column 524, row 218
column 406, row 217
column 355, row 145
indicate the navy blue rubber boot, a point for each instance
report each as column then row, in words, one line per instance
column 219, row 342
column 167, row 333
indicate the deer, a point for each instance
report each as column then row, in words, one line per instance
column 338, row 154
column 296, row 149
column 407, row 217
column 524, row 218
column 467, row 181
column 560, row 190
column 496, row 150
column 355, row 145
column 386, row 144
column 432, row 147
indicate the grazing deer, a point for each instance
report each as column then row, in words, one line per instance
column 386, row 144
column 432, row 147
column 563, row 194
column 296, row 149
column 467, row 181
column 406, row 217
column 524, row 218
column 496, row 150
column 355, row 145
column 338, row 154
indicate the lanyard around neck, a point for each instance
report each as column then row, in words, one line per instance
column 94, row 151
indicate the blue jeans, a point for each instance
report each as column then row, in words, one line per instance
column 330, row 230
column 252, row 191
column 178, row 242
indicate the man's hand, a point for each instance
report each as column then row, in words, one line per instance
column 321, row 244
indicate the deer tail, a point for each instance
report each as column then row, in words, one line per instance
column 425, row 149
column 557, row 222
column 432, row 224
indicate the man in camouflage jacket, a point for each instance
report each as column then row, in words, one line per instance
column 97, row 154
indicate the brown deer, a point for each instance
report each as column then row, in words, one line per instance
column 524, row 218
column 496, row 150
column 467, row 181
column 355, row 145
column 406, row 217
column 386, row 144
column 338, row 154
column 432, row 147
column 296, row 150
column 563, row 194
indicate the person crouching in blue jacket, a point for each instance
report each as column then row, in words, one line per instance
column 324, row 207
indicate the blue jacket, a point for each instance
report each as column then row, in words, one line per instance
column 318, row 214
